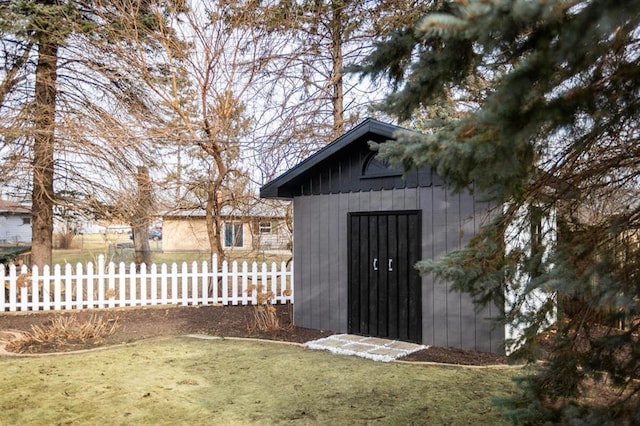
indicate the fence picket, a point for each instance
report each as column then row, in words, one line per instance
column 57, row 284
column 90, row 279
column 214, row 278
column 184, row 292
column 234, row 283
column 163, row 285
column 12, row 287
column 204, row 281
column 254, row 283
column 68, row 287
column 154, row 284
column 225, row 283
column 245, row 286
column 99, row 285
column 101, row 296
column 194, row 283
column 143, row 285
column 46, row 288
column 5, row 287
column 122, row 282
column 112, row 285
column 35, row 293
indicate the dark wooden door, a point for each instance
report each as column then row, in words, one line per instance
column 384, row 287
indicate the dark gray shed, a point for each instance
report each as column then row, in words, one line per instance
column 359, row 227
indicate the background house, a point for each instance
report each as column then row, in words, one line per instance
column 360, row 226
column 15, row 222
column 259, row 227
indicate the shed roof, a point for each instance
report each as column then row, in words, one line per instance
column 277, row 188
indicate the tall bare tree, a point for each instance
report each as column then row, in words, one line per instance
column 206, row 93
column 306, row 87
column 70, row 108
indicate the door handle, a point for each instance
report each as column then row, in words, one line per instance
column 375, row 263
column 390, row 265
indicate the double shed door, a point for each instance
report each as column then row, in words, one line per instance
column 384, row 287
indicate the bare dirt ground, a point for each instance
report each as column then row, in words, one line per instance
column 132, row 324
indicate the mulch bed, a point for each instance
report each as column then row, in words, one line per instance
column 135, row 324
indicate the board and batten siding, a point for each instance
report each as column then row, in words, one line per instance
column 321, row 262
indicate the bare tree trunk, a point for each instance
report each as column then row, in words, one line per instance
column 214, row 223
column 43, row 150
column 141, row 220
column 337, row 97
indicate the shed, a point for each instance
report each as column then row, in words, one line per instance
column 360, row 226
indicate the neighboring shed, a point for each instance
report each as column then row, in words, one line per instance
column 15, row 222
column 359, row 228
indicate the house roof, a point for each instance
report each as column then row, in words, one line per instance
column 255, row 210
column 10, row 207
column 277, row 187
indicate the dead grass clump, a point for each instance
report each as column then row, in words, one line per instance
column 265, row 315
column 64, row 332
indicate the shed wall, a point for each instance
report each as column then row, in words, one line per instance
column 321, row 262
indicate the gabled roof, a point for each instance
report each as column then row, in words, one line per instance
column 273, row 188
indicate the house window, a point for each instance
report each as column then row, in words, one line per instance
column 265, row 227
column 26, row 221
column 233, row 235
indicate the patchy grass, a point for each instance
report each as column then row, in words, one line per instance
column 185, row 380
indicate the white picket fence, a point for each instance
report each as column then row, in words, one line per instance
column 100, row 285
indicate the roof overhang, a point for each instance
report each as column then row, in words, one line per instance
column 277, row 188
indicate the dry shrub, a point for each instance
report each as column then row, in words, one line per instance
column 64, row 331
column 64, row 240
column 265, row 315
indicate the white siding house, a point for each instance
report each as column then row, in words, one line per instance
column 15, row 222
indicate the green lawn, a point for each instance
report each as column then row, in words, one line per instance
column 196, row 381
